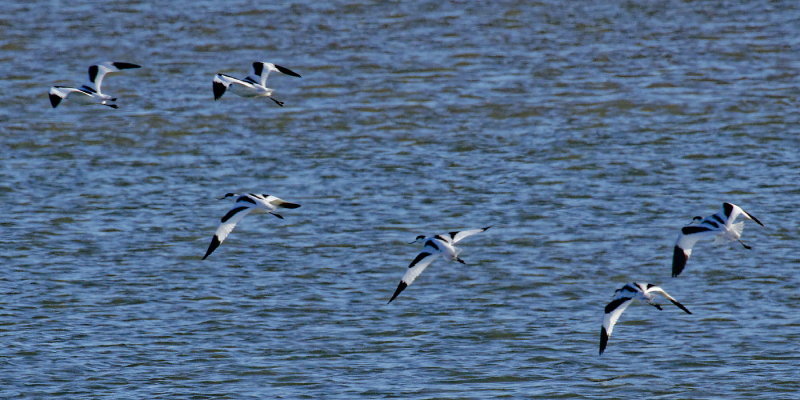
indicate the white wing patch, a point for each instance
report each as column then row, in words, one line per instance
column 687, row 242
column 459, row 236
column 224, row 229
column 610, row 318
column 423, row 260
column 98, row 71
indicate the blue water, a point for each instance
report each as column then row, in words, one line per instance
column 586, row 133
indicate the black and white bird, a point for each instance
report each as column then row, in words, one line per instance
column 439, row 245
column 245, row 204
column 719, row 226
column 254, row 85
column 90, row 92
column 622, row 299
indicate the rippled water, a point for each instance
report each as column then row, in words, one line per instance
column 587, row 134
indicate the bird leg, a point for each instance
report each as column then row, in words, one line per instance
column 745, row 246
column 460, row 260
column 280, row 103
column 656, row 306
column 277, row 215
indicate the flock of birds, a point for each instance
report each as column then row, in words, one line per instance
column 254, row 85
column 720, row 226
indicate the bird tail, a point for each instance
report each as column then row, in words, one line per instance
column 737, row 228
column 733, row 233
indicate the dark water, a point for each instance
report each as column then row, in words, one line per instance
column 587, row 134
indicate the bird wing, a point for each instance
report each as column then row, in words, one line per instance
column 732, row 211
column 261, row 71
column 613, row 311
column 221, row 82
column 420, row 262
column 98, row 71
column 658, row 289
column 285, row 71
column 456, row 237
column 683, row 245
column 58, row 93
column 277, row 202
column 228, row 222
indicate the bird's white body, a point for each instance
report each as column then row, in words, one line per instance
column 243, row 87
column 444, row 247
column 623, row 297
column 245, row 204
column 437, row 246
column 254, row 85
column 91, row 91
column 720, row 226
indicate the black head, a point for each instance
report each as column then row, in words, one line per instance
column 419, row 238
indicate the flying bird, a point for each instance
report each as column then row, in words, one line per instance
column 245, row 204
column 719, row 226
column 439, row 245
column 90, row 92
column 622, row 299
column 254, row 85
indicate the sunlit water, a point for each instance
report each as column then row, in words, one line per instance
column 586, row 134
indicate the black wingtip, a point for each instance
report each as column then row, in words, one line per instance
column 124, row 65
column 603, row 340
column 286, row 71
column 402, row 286
column 754, row 218
column 289, row 205
column 114, row 106
column 219, row 90
column 212, row 246
column 487, row 228
column 679, row 259
column 54, row 100
column 681, row 306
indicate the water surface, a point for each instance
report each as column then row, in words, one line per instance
column 585, row 133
